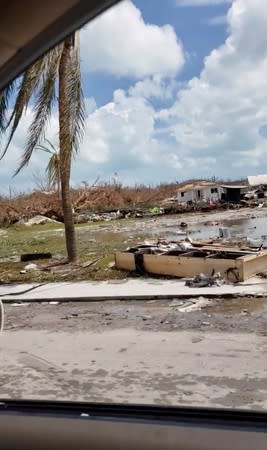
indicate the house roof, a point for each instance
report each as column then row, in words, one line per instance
column 195, row 186
column 233, row 186
column 257, row 180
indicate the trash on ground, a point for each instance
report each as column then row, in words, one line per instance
column 194, row 305
column 20, row 304
column 174, row 303
column 30, row 267
column 37, row 220
column 262, row 274
column 205, row 280
column 33, row 256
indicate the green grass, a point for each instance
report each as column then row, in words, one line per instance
column 93, row 243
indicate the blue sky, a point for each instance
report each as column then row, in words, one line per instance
column 174, row 89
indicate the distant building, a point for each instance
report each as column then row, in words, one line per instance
column 258, row 185
column 199, row 191
column 233, row 193
column 257, row 180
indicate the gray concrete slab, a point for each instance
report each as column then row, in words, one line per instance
column 126, row 365
column 148, row 288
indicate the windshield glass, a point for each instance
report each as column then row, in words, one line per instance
column 133, row 251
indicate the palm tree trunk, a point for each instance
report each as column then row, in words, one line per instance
column 58, row 184
column 65, row 150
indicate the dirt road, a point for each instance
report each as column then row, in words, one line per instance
column 145, row 352
column 184, row 367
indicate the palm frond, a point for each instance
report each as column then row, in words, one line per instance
column 5, row 95
column 52, row 146
column 43, row 148
column 27, row 87
column 52, row 170
column 75, row 94
column 43, row 107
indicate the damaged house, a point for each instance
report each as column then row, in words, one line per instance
column 233, row 193
column 258, row 186
column 199, row 191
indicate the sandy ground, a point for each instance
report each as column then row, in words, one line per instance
column 140, row 353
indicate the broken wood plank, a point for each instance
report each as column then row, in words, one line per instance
column 34, row 256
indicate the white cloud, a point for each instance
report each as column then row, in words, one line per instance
column 201, row 2
column 218, row 20
column 90, row 105
column 154, row 87
column 119, row 42
column 214, row 125
column 122, row 136
column 219, row 114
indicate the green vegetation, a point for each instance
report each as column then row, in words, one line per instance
column 96, row 242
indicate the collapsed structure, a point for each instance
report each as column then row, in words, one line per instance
column 186, row 259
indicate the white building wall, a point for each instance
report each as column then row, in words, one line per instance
column 186, row 196
column 206, row 194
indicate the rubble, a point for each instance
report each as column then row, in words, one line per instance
column 194, row 305
column 205, row 280
column 33, row 256
column 29, row 268
column 36, row 220
column 186, row 259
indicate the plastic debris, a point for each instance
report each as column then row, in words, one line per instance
column 30, row 267
column 205, row 280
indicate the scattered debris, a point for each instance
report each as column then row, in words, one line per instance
column 91, row 263
column 156, row 210
column 185, row 260
column 81, row 218
column 20, row 304
column 30, row 267
column 33, row 256
column 146, row 318
column 204, row 280
column 262, row 274
column 194, row 305
column 176, row 302
column 37, row 220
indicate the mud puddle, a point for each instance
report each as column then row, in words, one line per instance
column 237, row 306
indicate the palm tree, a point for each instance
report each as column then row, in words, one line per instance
column 39, row 83
column 53, row 166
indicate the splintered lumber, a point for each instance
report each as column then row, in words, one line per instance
column 233, row 264
column 33, row 256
